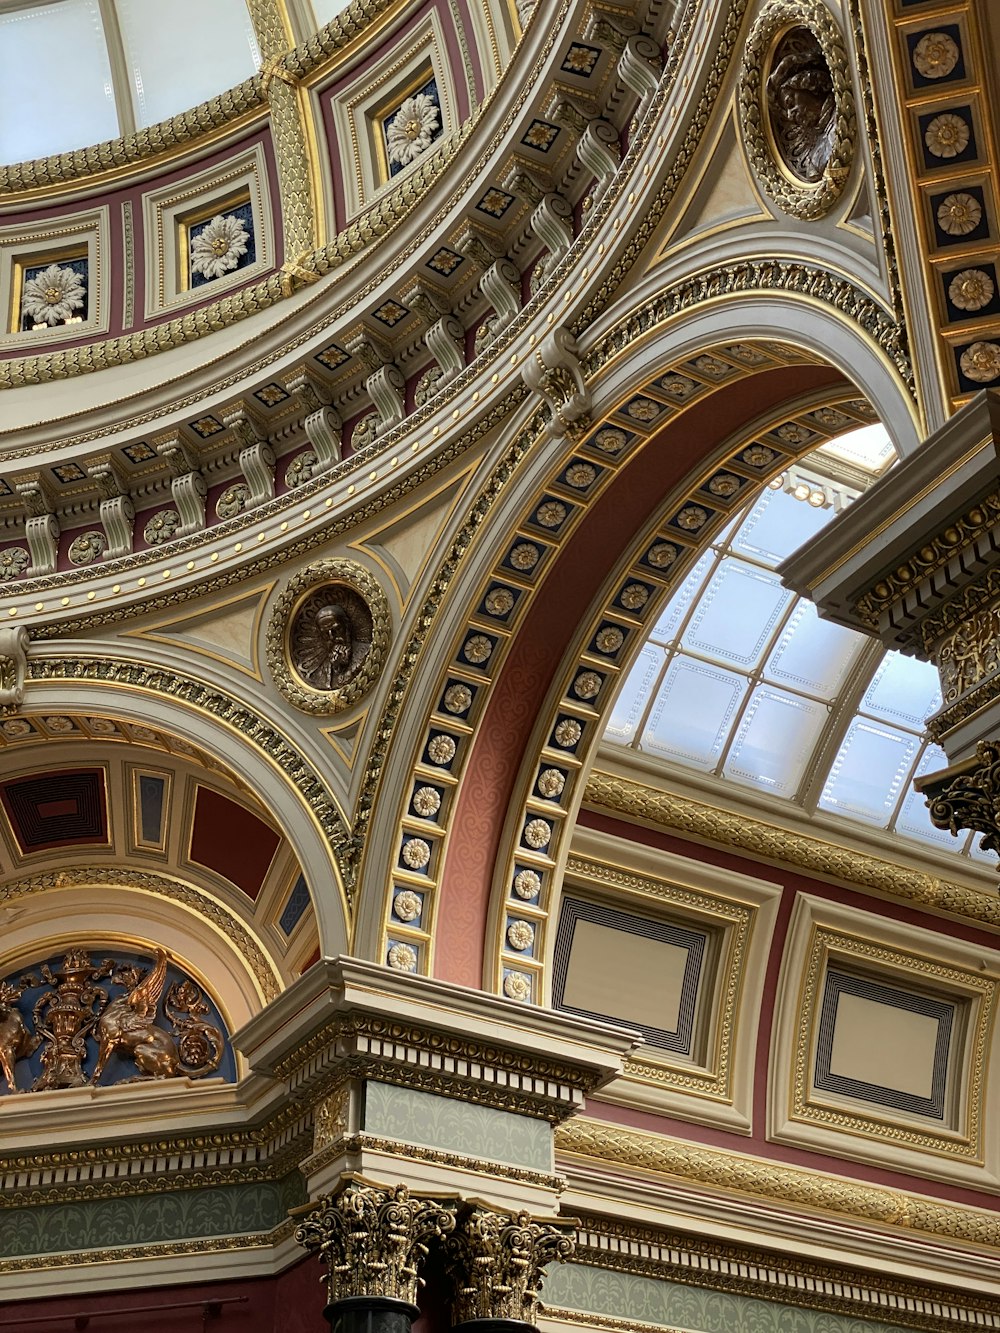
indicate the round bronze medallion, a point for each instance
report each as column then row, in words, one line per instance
column 797, row 106
column 328, row 636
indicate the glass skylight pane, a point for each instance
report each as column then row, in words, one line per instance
column 977, row 853
column 904, row 691
column 693, row 712
column 775, row 740
column 634, row 695
column 777, row 525
column 677, row 608
column 813, row 654
column 868, row 447
column 914, row 820
column 869, row 771
column 738, row 613
column 183, row 53
column 57, row 92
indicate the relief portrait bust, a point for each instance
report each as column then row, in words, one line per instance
column 328, row 636
column 802, row 105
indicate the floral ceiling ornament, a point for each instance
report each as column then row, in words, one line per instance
column 87, row 548
column 219, row 246
column 935, row 55
column 411, row 130
column 52, row 296
column 981, row 362
column 161, row 527
column 947, row 135
column 13, row 562
column 971, row 289
column 959, row 213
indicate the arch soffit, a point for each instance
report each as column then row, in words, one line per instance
column 247, row 746
column 429, row 789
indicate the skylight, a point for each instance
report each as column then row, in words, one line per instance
column 741, row 679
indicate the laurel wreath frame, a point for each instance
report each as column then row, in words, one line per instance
column 327, row 573
column 793, row 196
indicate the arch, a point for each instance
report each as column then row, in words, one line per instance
column 245, row 745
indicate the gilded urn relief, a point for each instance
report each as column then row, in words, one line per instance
column 88, row 1018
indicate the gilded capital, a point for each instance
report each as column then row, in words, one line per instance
column 967, row 795
column 373, row 1239
column 496, row 1261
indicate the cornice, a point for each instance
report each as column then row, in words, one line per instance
column 791, row 1187
column 740, row 830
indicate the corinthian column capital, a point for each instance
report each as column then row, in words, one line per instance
column 496, row 1261
column 373, row 1239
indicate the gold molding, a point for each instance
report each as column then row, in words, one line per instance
column 794, row 1187
column 664, row 809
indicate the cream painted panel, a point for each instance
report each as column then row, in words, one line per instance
column 875, row 1043
column 625, row 976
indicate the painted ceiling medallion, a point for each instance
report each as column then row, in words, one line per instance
column 328, row 636
column 797, row 108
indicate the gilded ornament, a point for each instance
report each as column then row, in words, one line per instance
column 16, row 726
column 935, row 55
column 971, row 289
column 568, row 732
column 76, row 1015
column 484, row 335
column 758, row 455
column 441, row 750
column 219, row 246
column 520, row 935
column 477, row 649
column 87, row 548
column 407, row 905
column 797, row 106
column 416, row 853
column 692, row 517
column 328, row 636
column 411, row 130
column 610, row 440
column 581, row 475
column 161, row 527
column 524, row 556
column 102, row 726
column 609, row 639
column 538, row 275
column 60, row 725
column 52, row 296
column 634, row 596
column 527, row 884
column 458, row 699
column 550, row 514
column 537, row 834
column 959, row 213
column 643, row 409
column 662, row 555
column 300, row 469
column 970, row 799
column 403, row 957
column 426, row 801
column 981, row 362
column 587, row 685
column 947, row 135
column 365, row 431
column 233, row 500
column 517, row 986
column 499, row 601
column 373, row 1239
column 551, row 783
column 13, row 562
column 792, row 433
column 427, row 385
column 725, row 485
column 497, row 1260
column 679, row 386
